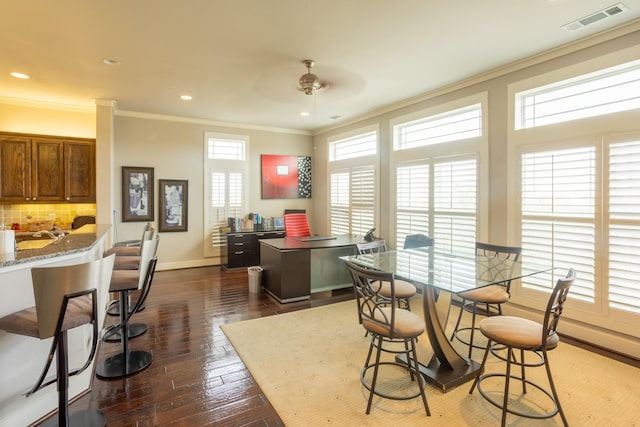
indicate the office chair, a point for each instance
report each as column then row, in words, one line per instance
column 296, row 225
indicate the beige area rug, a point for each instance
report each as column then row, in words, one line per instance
column 308, row 364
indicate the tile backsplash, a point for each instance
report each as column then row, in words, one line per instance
column 30, row 216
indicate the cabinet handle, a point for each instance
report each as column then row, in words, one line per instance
column 238, row 252
column 238, row 244
column 34, row 198
column 68, row 198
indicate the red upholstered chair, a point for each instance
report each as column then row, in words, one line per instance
column 296, row 225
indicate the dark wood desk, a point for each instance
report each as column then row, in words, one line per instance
column 296, row 267
column 436, row 272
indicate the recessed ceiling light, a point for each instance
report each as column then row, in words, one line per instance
column 186, row 97
column 304, row 113
column 19, row 75
column 107, row 61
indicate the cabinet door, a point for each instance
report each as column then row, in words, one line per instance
column 15, row 169
column 79, row 175
column 47, row 183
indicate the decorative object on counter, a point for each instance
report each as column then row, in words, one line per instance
column 286, row 177
column 137, row 194
column 172, row 206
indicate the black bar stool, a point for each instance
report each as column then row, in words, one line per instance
column 65, row 298
column 130, row 361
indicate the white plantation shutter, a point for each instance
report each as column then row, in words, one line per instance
column 453, row 189
column 558, row 216
column 363, row 199
column 624, row 226
column 455, row 205
column 353, row 201
column 412, row 201
column 339, row 203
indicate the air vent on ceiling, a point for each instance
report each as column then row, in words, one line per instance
column 595, row 17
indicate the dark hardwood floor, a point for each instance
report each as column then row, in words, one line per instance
column 196, row 378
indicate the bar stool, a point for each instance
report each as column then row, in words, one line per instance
column 393, row 330
column 486, row 300
column 128, row 258
column 65, row 298
column 515, row 333
column 130, row 361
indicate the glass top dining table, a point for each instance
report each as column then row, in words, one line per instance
column 435, row 272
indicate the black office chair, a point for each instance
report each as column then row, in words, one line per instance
column 515, row 333
column 486, row 300
column 413, row 241
column 393, row 330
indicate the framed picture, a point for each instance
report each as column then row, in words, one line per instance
column 137, row 194
column 172, row 205
column 286, row 177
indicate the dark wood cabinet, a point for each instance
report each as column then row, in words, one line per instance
column 47, row 178
column 15, row 169
column 46, row 169
column 80, row 171
column 243, row 248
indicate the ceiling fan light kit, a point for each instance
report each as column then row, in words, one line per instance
column 309, row 83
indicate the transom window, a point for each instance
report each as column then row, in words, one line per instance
column 606, row 91
column 454, row 125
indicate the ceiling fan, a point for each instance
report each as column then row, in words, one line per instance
column 309, row 83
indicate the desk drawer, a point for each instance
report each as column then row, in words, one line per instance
column 241, row 258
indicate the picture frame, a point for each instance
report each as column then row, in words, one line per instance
column 137, row 194
column 173, row 198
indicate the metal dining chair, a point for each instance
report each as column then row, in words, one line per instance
column 393, row 330
column 404, row 290
column 519, row 335
column 486, row 300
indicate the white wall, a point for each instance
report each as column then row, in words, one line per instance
column 175, row 150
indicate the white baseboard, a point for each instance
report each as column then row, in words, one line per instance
column 600, row 337
column 206, row 262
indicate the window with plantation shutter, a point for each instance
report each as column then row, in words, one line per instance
column 352, row 183
column 353, row 201
column 455, row 205
column 225, row 186
column 412, row 201
column 437, row 197
column 558, row 216
column 624, row 226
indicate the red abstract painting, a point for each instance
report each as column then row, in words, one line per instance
column 286, row 177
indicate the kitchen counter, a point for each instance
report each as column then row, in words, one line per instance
column 74, row 241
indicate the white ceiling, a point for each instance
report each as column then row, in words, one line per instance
column 241, row 59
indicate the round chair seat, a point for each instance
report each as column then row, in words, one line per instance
column 407, row 324
column 403, row 289
column 492, row 294
column 516, row 332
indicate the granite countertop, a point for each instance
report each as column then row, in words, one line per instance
column 75, row 241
